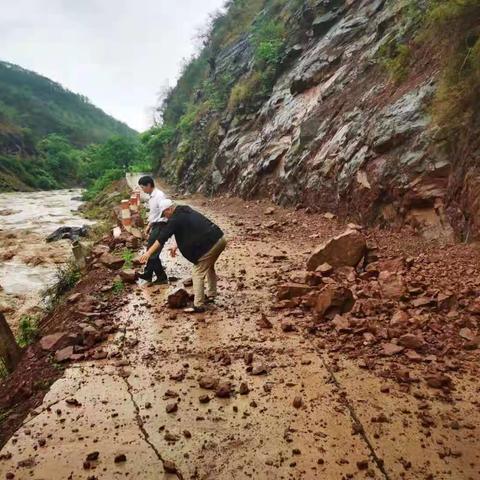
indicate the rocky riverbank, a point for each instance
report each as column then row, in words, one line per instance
column 28, row 265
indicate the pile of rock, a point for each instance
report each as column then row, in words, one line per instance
column 376, row 308
column 83, row 342
column 315, row 288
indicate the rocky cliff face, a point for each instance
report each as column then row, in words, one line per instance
column 338, row 135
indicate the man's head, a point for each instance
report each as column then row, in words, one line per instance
column 147, row 184
column 168, row 207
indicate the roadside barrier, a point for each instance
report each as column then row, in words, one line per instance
column 126, row 216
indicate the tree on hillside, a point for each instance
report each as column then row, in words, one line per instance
column 59, row 158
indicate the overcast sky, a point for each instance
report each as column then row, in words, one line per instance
column 119, row 53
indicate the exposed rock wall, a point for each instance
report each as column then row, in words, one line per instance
column 337, row 135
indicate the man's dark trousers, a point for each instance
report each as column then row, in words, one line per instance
column 154, row 265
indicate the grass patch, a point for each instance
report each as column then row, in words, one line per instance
column 453, row 29
column 244, row 91
column 67, row 277
column 128, row 256
column 118, row 287
column 395, row 57
column 28, row 330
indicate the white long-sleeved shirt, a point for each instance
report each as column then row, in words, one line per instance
column 155, row 214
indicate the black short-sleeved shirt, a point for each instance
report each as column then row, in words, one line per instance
column 195, row 234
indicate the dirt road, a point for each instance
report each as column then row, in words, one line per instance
column 279, row 403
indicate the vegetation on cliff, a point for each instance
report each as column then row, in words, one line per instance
column 262, row 34
column 212, row 85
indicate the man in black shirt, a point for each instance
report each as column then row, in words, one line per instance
column 199, row 240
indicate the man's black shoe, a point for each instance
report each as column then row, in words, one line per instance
column 161, row 281
column 143, row 276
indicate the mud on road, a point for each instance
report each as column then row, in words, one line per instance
column 235, row 394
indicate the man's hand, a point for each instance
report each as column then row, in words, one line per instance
column 173, row 251
column 144, row 258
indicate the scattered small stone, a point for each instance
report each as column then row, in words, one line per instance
column 259, row 369
column 248, row 358
column 93, row 456
column 208, row 383
column 224, row 390
column 120, row 458
column 439, row 381
column 244, row 390
column 288, row 326
column 171, row 407
column 169, row 466
column 264, row 322
column 298, row 402
column 362, row 465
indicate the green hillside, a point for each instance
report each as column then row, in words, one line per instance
column 31, row 101
column 45, row 130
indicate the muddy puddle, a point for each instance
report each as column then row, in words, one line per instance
column 28, row 264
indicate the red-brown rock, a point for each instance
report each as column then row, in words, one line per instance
column 334, row 300
column 390, row 349
column 224, row 390
column 64, row 354
column 392, row 285
column 208, row 383
column 112, row 261
column 292, row 290
column 411, row 341
column 128, row 276
column 178, row 299
column 345, row 249
column 55, row 341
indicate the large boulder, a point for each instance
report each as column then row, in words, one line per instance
column 346, row 249
column 69, row 233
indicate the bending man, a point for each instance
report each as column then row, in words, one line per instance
column 199, row 240
column 155, row 224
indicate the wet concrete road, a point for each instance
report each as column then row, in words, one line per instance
column 344, row 423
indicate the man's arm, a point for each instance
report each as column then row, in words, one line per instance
column 164, row 234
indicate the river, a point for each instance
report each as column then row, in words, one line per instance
column 27, row 263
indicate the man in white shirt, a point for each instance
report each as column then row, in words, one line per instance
column 155, row 223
